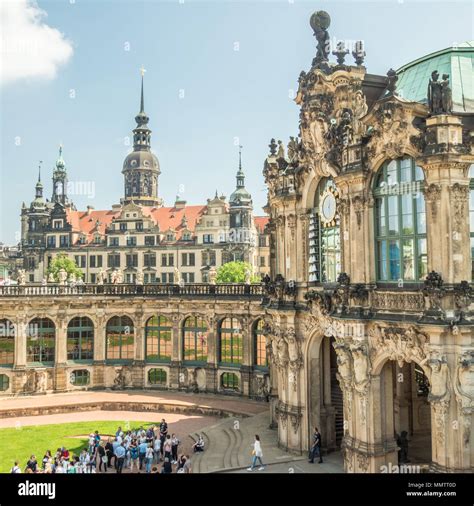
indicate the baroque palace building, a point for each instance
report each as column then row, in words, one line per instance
column 370, row 316
column 140, row 238
column 363, row 326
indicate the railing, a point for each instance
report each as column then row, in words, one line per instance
column 147, row 290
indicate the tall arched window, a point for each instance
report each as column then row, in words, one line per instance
column 324, row 235
column 195, row 337
column 260, row 344
column 119, row 335
column 471, row 216
column 158, row 333
column 7, row 342
column 230, row 341
column 400, row 222
column 40, row 341
column 80, row 339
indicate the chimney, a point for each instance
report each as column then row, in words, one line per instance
column 89, row 210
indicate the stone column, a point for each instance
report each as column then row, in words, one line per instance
column 60, row 359
column 21, row 330
column 99, row 379
column 176, row 353
column 246, row 367
column 212, row 354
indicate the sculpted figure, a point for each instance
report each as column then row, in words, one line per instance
column 439, row 379
column 51, row 278
column 21, row 277
column 343, row 362
column 72, row 278
column 62, row 276
column 177, row 276
column 293, row 348
column 101, row 277
column 139, row 278
column 361, row 366
column 282, row 352
column 113, row 277
column 212, row 275
column 434, row 94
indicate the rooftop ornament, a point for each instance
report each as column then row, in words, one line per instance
column 320, row 22
column 358, row 53
column 392, row 82
column 340, row 52
column 439, row 94
column 273, row 147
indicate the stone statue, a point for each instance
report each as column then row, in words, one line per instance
column 293, row 347
column 446, row 95
column 282, row 352
column 281, row 150
column 21, row 277
column 343, row 362
column 123, row 378
column 212, row 275
column 101, row 277
column 51, row 278
column 361, row 367
column 72, row 279
column 139, row 277
column 434, row 94
column 41, row 381
column 62, row 276
column 439, row 380
column 392, row 81
column 248, row 277
column 293, row 149
column 119, row 276
column 320, row 22
column 44, row 282
column 177, row 276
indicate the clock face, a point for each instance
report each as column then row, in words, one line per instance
column 328, row 207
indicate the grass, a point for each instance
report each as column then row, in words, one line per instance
column 19, row 443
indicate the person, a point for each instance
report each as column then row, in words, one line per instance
column 149, row 458
column 181, row 462
column 103, row 459
column 167, row 468
column 134, row 456
column 167, row 447
column 119, row 458
column 16, row 468
column 163, row 433
column 315, row 447
column 187, row 465
column 198, row 446
column 109, row 452
column 119, row 433
column 157, row 449
column 257, row 454
column 46, row 459
column 97, row 438
column 32, row 464
column 142, row 453
column 174, row 449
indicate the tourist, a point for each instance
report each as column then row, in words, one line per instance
column 157, row 449
column 257, row 454
column 316, row 447
column 149, row 458
column 15, row 469
column 187, row 465
column 32, row 465
column 167, row 467
column 181, row 462
column 134, row 455
column 142, row 447
column 97, row 438
column 46, row 459
column 109, row 451
column 103, row 458
column 163, row 433
column 84, row 459
column 167, row 447
column 198, row 446
column 119, row 433
column 119, row 458
column 174, row 448
column 91, row 443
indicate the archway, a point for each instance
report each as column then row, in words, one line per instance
column 325, row 399
column 405, row 408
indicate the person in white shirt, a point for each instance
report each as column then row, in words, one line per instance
column 15, row 469
column 257, row 454
column 157, row 448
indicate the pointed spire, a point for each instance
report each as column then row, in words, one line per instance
column 142, row 101
column 240, row 158
column 39, row 171
column 240, row 172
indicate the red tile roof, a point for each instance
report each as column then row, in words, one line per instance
column 261, row 222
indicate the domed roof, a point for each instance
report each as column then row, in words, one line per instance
column 457, row 61
column 141, row 160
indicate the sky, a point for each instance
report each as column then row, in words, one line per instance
column 218, row 75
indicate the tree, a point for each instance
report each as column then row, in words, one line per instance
column 235, row 272
column 62, row 261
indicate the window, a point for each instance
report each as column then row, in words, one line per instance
column 4, row 382
column 149, row 260
column 229, row 381
column 64, row 241
column 131, row 260
column 80, row 339
column 207, row 238
column 471, row 216
column 123, row 227
column 187, row 236
column 261, row 359
column 40, row 341
column 262, row 241
column 324, row 239
column 80, row 377
column 167, row 260
column 262, row 261
column 51, row 241
column 208, row 258
column 209, row 223
column 157, row 377
column 80, row 260
column 95, row 261
column 167, row 277
column 57, row 224
column 170, row 236
column 119, row 338
column 230, row 336
column 139, row 226
column 7, row 342
column 113, row 260
column 113, row 241
column 400, row 222
column 131, row 241
column 195, row 339
column 188, row 277
column 188, row 259
column 149, row 240
column 158, row 332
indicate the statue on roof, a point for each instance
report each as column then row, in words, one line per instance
column 320, row 22
column 434, row 94
column 446, row 95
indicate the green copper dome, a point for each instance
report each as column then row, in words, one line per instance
column 457, row 61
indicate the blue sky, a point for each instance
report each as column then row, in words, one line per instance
column 218, row 74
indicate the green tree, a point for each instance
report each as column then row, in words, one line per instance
column 62, row 261
column 235, row 272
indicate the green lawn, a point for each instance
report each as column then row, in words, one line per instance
column 19, row 443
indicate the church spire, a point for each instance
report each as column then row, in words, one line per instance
column 240, row 172
column 39, row 184
column 142, row 134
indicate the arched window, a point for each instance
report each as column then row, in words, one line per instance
column 400, row 222
column 229, row 381
column 7, row 342
column 158, row 333
column 195, row 339
column 230, row 338
column 80, row 339
column 157, row 377
column 119, row 335
column 471, row 216
column 40, row 341
column 324, row 235
column 260, row 344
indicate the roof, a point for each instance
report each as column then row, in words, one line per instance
column 261, row 222
column 457, row 61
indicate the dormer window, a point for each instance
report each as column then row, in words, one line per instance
column 186, row 236
column 123, row 227
column 170, row 237
column 82, row 239
column 57, row 223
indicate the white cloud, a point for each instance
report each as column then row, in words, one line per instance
column 29, row 48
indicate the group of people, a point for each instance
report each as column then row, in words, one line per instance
column 138, row 450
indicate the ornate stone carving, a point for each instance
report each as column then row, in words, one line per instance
column 358, row 204
column 123, row 378
column 398, row 301
column 433, row 198
column 460, row 199
column 464, row 381
column 433, row 292
column 291, row 218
